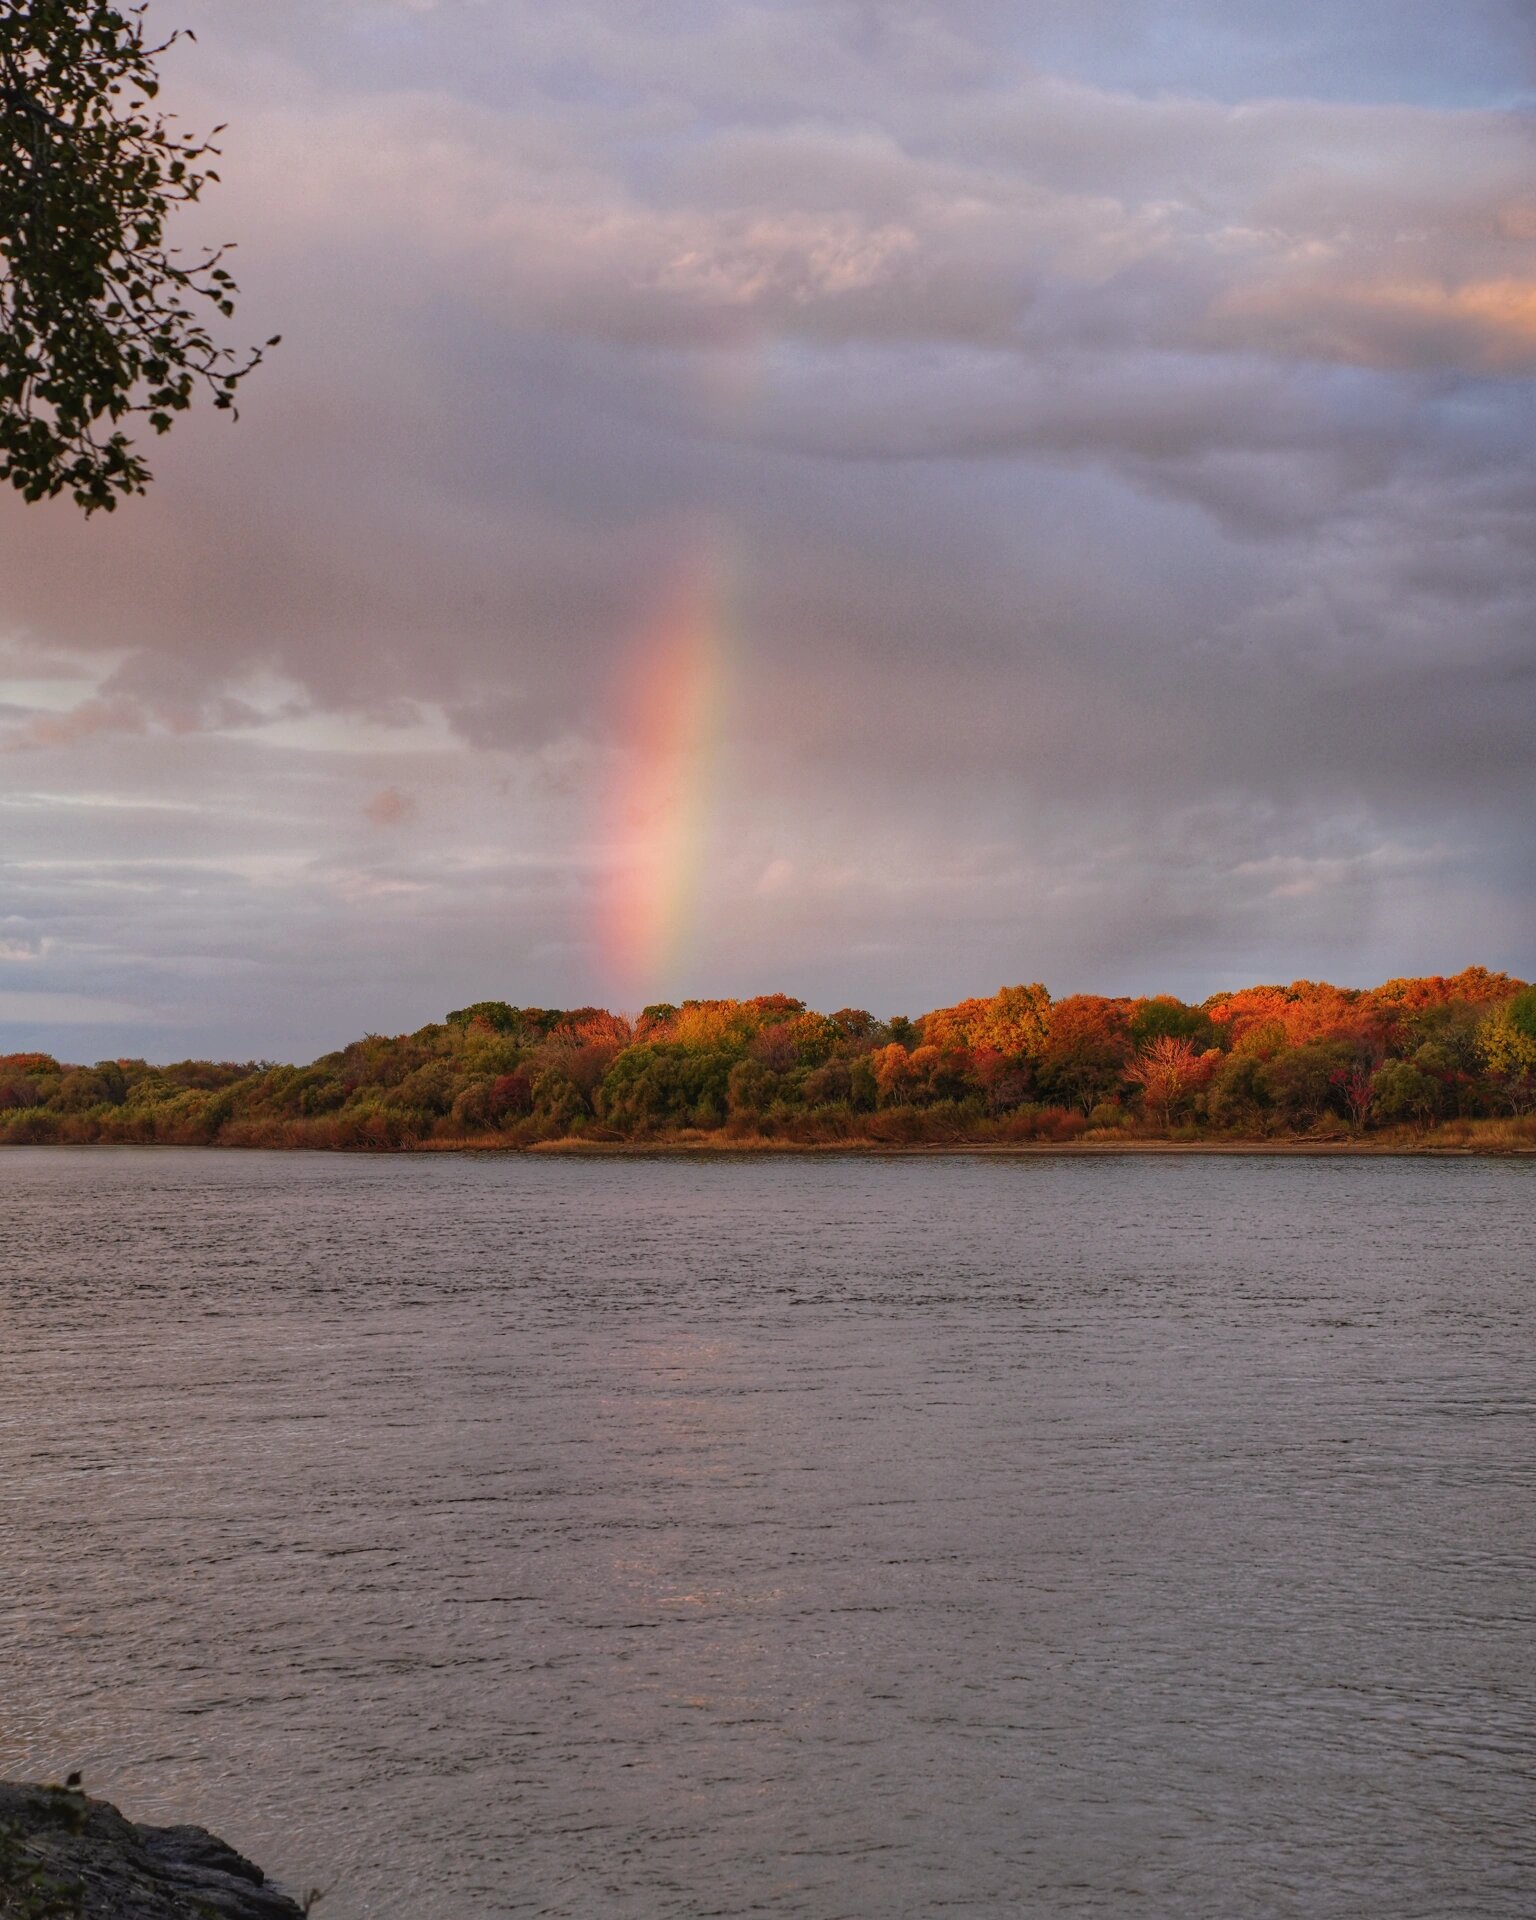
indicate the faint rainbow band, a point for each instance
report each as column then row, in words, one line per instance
column 658, row 805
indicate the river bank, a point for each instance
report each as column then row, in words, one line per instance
column 1008, row 1149
column 1495, row 1143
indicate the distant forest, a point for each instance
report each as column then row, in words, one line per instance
column 1452, row 1061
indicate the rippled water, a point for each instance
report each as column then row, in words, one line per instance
column 1046, row 1536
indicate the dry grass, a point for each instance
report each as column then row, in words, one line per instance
column 1516, row 1134
column 1041, row 1131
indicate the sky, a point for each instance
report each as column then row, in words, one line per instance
column 870, row 499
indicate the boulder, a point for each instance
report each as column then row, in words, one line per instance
column 64, row 1856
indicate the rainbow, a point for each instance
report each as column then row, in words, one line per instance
column 670, row 698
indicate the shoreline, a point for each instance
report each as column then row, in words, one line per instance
column 1014, row 1148
column 1415, row 1067
column 1006, row 1149
column 576, row 1148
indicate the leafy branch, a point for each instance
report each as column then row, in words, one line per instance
column 100, row 319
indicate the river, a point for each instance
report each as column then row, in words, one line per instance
column 816, row 1537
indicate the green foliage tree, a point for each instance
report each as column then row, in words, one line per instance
column 667, row 1085
column 557, row 1103
column 1239, row 1092
column 495, row 1016
column 101, row 319
column 863, row 1087
column 1167, row 1018
column 1303, row 1083
column 751, row 1089
column 1403, row 1091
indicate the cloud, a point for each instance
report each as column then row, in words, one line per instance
column 114, row 712
column 78, row 723
column 1487, row 326
column 1111, row 427
column 30, row 1010
column 389, row 807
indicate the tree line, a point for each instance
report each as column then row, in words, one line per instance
column 1455, row 1056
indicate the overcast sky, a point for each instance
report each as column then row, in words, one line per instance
column 1107, row 428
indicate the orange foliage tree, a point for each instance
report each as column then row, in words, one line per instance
column 1168, row 1070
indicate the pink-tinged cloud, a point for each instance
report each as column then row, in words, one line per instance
column 116, row 714
column 1484, row 326
column 390, row 807
column 125, row 713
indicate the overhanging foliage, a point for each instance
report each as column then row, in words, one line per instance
column 101, row 319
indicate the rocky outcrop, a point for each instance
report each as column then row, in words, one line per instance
column 64, row 1856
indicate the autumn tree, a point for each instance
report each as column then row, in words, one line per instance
column 774, row 1046
column 581, row 1048
column 1355, row 1088
column 1165, row 1017
column 1506, row 1046
column 1086, row 1047
column 101, row 319
column 1168, row 1069
column 892, row 1070
column 1013, row 1022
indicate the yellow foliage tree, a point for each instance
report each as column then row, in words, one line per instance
column 1014, row 1022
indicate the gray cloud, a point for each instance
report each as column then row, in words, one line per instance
column 1124, row 494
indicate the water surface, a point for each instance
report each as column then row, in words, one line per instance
column 824, row 1537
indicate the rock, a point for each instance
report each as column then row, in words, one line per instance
column 64, row 1856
